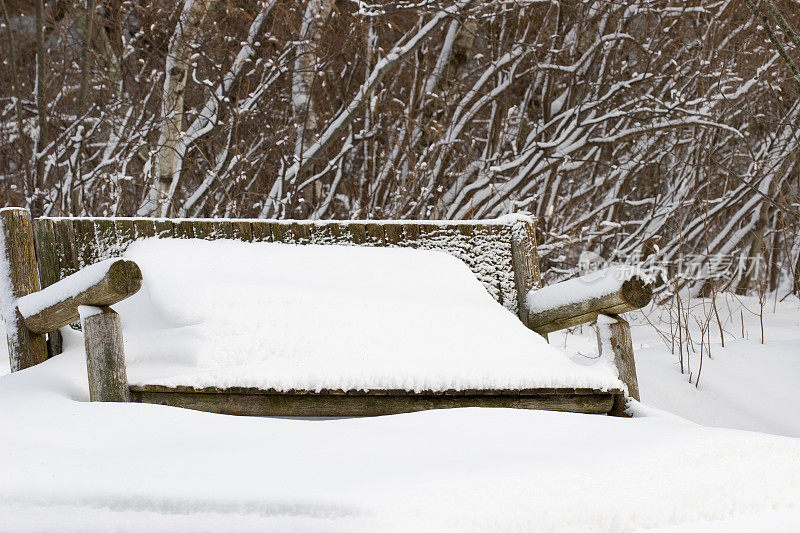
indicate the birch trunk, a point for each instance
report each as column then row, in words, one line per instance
column 306, row 67
column 167, row 160
column 40, row 140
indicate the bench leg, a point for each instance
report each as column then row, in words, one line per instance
column 105, row 355
column 614, row 334
column 20, row 276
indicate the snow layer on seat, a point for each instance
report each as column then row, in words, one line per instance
column 267, row 315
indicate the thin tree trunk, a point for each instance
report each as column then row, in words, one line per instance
column 167, row 163
column 34, row 198
column 12, row 68
column 306, row 67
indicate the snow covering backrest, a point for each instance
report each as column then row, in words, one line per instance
column 501, row 253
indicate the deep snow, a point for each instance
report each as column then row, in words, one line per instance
column 269, row 315
column 745, row 385
column 71, row 465
column 76, row 465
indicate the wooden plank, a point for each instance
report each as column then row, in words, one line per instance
column 393, row 234
column 126, row 233
column 374, row 234
column 46, row 254
column 203, row 229
column 25, row 348
column 122, row 279
column 65, row 244
column 105, row 236
column 85, row 242
column 105, row 357
column 301, row 233
column 164, row 228
column 281, row 232
column 144, row 227
column 47, row 260
column 262, row 231
column 184, row 229
column 540, row 391
column 465, row 229
column 411, row 233
column 367, row 405
column 339, row 232
column 320, row 233
column 358, row 232
column 242, row 230
column 223, row 229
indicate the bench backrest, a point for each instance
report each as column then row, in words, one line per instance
column 501, row 253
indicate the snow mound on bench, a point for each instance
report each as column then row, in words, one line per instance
column 268, row 315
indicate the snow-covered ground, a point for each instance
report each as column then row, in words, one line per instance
column 75, row 465
column 72, row 465
column 745, row 385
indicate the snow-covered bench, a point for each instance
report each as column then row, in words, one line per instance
column 73, row 259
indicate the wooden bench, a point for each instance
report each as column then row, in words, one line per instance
column 52, row 259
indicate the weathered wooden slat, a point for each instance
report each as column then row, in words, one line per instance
column 144, row 228
column 126, row 233
column 46, row 256
column 358, row 233
column 203, row 229
column 184, row 229
column 541, row 391
column 339, row 233
column 25, row 348
column 123, row 279
column 242, row 230
column 393, row 234
column 301, row 233
column 465, row 229
column 164, row 228
column 371, row 404
column 67, row 251
column 262, row 231
column 374, row 234
column 47, row 259
column 281, row 232
column 107, row 242
column 223, row 229
column 85, row 242
column 320, row 234
column 411, row 233
column 105, row 356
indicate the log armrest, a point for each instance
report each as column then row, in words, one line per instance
column 601, row 297
column 101, row 284
column 579, row 300
column 87, row 294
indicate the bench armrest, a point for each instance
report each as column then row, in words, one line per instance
column 101, row 284
column 579, row 300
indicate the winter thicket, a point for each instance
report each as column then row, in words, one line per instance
column 663, row 130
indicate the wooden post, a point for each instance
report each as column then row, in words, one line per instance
column 614, row 334
column 525, row 262
column 105, row 355
column 25, row 348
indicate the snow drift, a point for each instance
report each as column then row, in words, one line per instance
column 267, row 315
